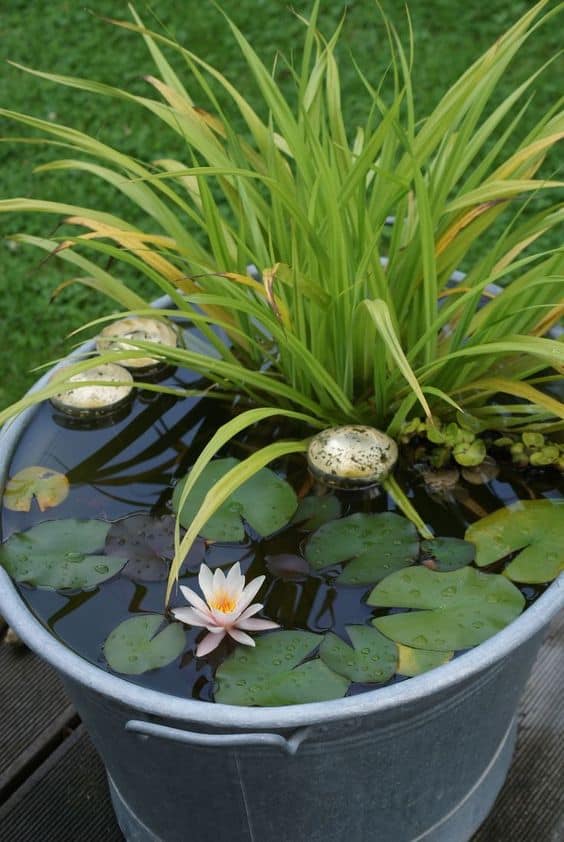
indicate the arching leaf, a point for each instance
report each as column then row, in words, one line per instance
column 137, row 645
column 459, row 609
column 532, row 528
column 61, row 554
column 373, row 546
column 265, row 501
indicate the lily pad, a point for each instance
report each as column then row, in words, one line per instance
column 310, row 682
column 447, row 554
column 534, row 529
column 137, row 645
column 148, row 544
column 463, row 608
column 60, row 554
column 373, row 545
column 249, row 676
column 416, row 661
column 266, row 502
column 314, row 511
column 374, row 657
column 48, row 487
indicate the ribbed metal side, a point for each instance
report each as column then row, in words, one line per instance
column 530, row 807
column 66, row 800
column 31, row 699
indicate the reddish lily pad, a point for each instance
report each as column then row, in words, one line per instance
column 48, row 487
column 532, row 528
column 148, row 544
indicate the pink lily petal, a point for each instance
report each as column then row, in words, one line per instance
column 216, row 629
column 208, row 644
column 192, row 597
column 235, row 581
column 241, row 637
column 190, row 616
column 250, row 592
column 218, row 583
column 253, row 624
column 205, row 580
column 252, row 609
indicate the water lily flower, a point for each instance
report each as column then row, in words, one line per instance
column 227, row 608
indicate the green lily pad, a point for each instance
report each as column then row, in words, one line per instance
column 314, row 511
column 535, row 528
column 373, row 546
column 463, row 608
column 416, row 661
column 60, row 554
column 310, row 682
column 250, row 675
column 447, row 554
column 48, row 487
column 265, row 501
column 374, row 657
column 135, row 647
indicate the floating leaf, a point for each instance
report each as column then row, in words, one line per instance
column 148, row 544
column 310, row 682
column 134, row 646
column 292, row 568
column 416, row 661
column 314, row 511
column 61, row 554
column 48, row 487
column 265, row 501
column 247, row 677
column 448, row 553
column 377, row 544
column 374, row 657
column 464, row 607
column 535, row 527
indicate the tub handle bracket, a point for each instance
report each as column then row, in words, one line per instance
column 289, row 745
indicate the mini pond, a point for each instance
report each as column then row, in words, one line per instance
column 360, row 599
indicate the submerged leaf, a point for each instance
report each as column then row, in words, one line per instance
column 416, row 661
column 292, row 568
column 374, row 657
column 148, row 544
column 533, row 527
column 248, row 676
column 374, row 546
column 60, row 554
column 265, row 501
column 48, row 487
column 135, row 647
column 448, row 553
column 463, row 608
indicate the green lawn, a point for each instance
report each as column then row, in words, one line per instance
column 61, row 36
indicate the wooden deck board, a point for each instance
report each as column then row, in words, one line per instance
column 65, row 796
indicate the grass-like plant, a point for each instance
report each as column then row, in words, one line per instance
column 351, row 315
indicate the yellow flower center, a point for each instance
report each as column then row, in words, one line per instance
column 224, row 603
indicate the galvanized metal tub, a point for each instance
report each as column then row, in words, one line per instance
column 419, row 760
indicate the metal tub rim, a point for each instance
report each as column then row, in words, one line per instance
column 210, row 714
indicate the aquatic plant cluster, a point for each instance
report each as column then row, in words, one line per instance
column 315, row 266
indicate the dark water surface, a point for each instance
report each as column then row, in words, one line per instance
column 130, row 464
